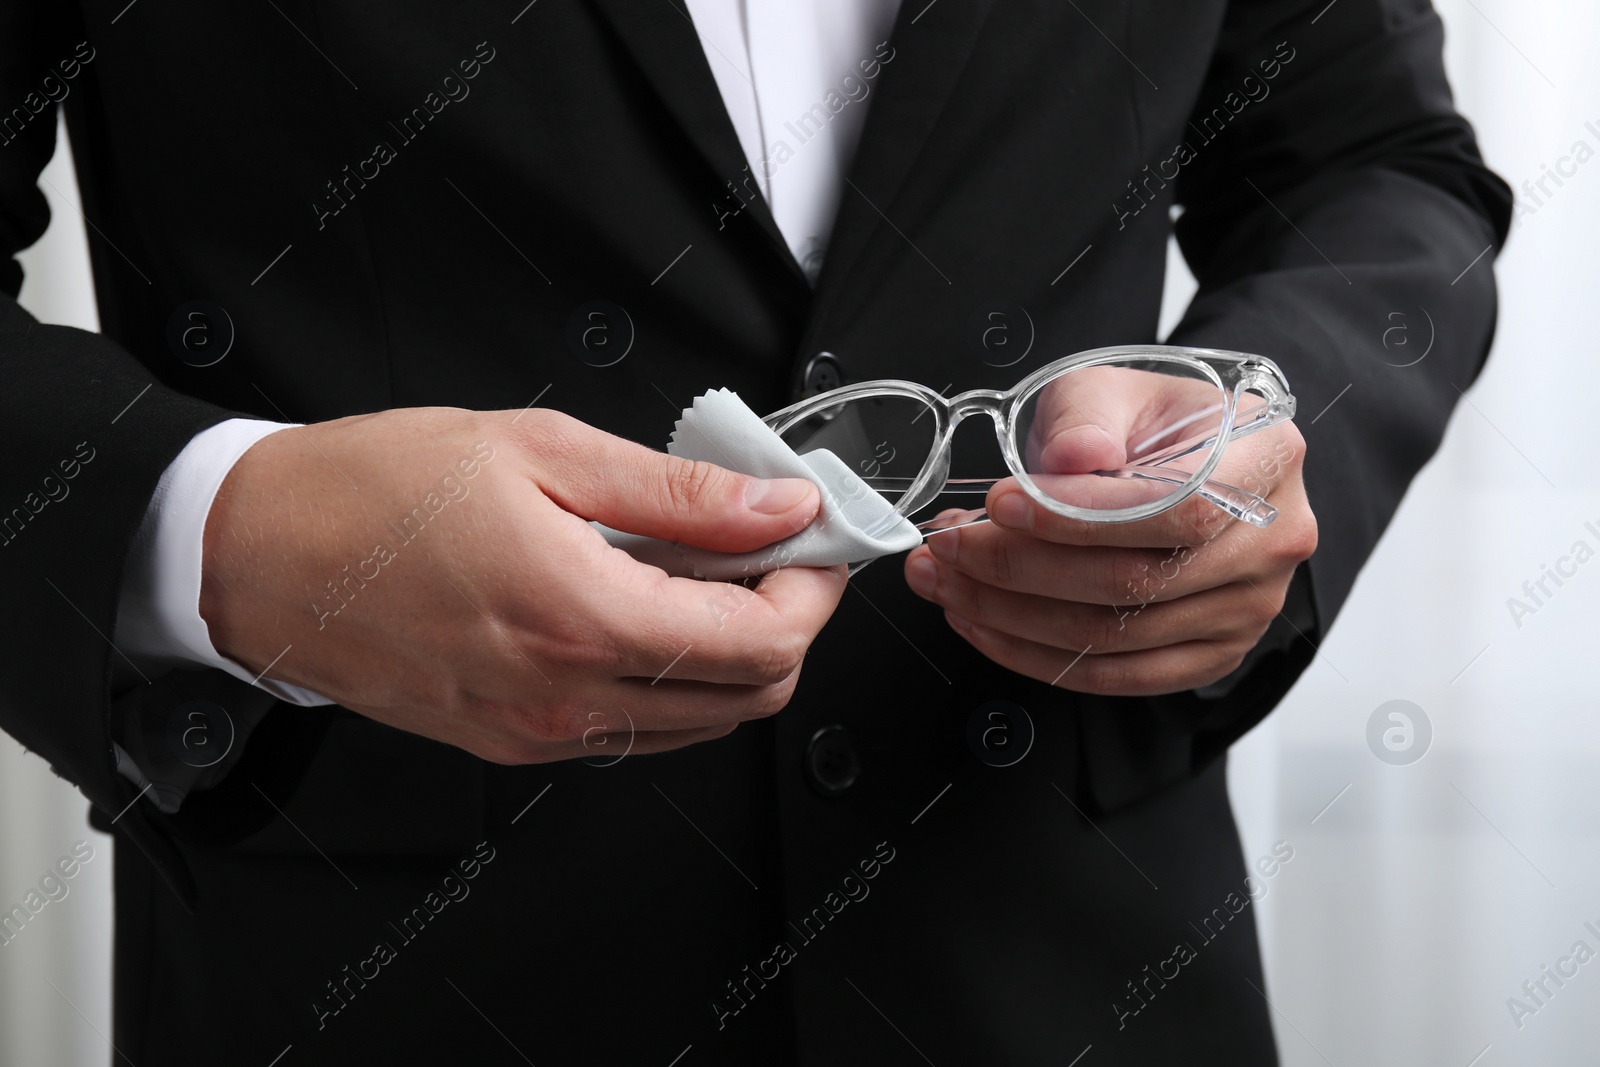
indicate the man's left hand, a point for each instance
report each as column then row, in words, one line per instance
column 1162, row 605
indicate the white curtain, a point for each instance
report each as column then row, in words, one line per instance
column 1421, row 900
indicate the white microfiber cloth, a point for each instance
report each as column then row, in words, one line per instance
column 856, row 523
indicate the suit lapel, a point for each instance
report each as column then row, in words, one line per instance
column 661, row 38
column 932, row 43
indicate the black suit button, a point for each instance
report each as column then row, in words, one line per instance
column 822, row 373
column 832, row 761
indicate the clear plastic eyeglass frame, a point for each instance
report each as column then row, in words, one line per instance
column 1235, row 374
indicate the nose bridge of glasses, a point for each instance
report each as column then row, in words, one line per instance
column 978, row 400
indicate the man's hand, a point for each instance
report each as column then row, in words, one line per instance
column 1162, row 605
column 434, row 569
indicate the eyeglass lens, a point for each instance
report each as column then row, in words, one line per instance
column 885, row 440
column 1108, row 437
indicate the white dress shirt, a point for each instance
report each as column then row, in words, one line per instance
column 794, row 77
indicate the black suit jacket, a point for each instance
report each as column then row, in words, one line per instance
column 232, row 155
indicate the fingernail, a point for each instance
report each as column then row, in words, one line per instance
column 921, row 575
column 776, row 495
column 1011, row 510
column 943, row 545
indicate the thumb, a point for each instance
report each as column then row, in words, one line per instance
column 629, row 487
column 1081, row 423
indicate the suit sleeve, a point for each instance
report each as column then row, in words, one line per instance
column 86, row 431
column 1341, row 210
column 1349, row 202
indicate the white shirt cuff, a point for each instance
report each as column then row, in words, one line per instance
column 158, row 615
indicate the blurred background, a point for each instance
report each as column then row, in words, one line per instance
column 1429, row 882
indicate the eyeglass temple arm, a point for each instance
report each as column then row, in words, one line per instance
column 1239, row 503
column 1263, row 412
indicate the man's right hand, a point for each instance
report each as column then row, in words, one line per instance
column 359, row 559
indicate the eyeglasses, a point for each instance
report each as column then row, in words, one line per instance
column 1068, row 432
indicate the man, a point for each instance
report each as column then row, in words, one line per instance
column 551, row 814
